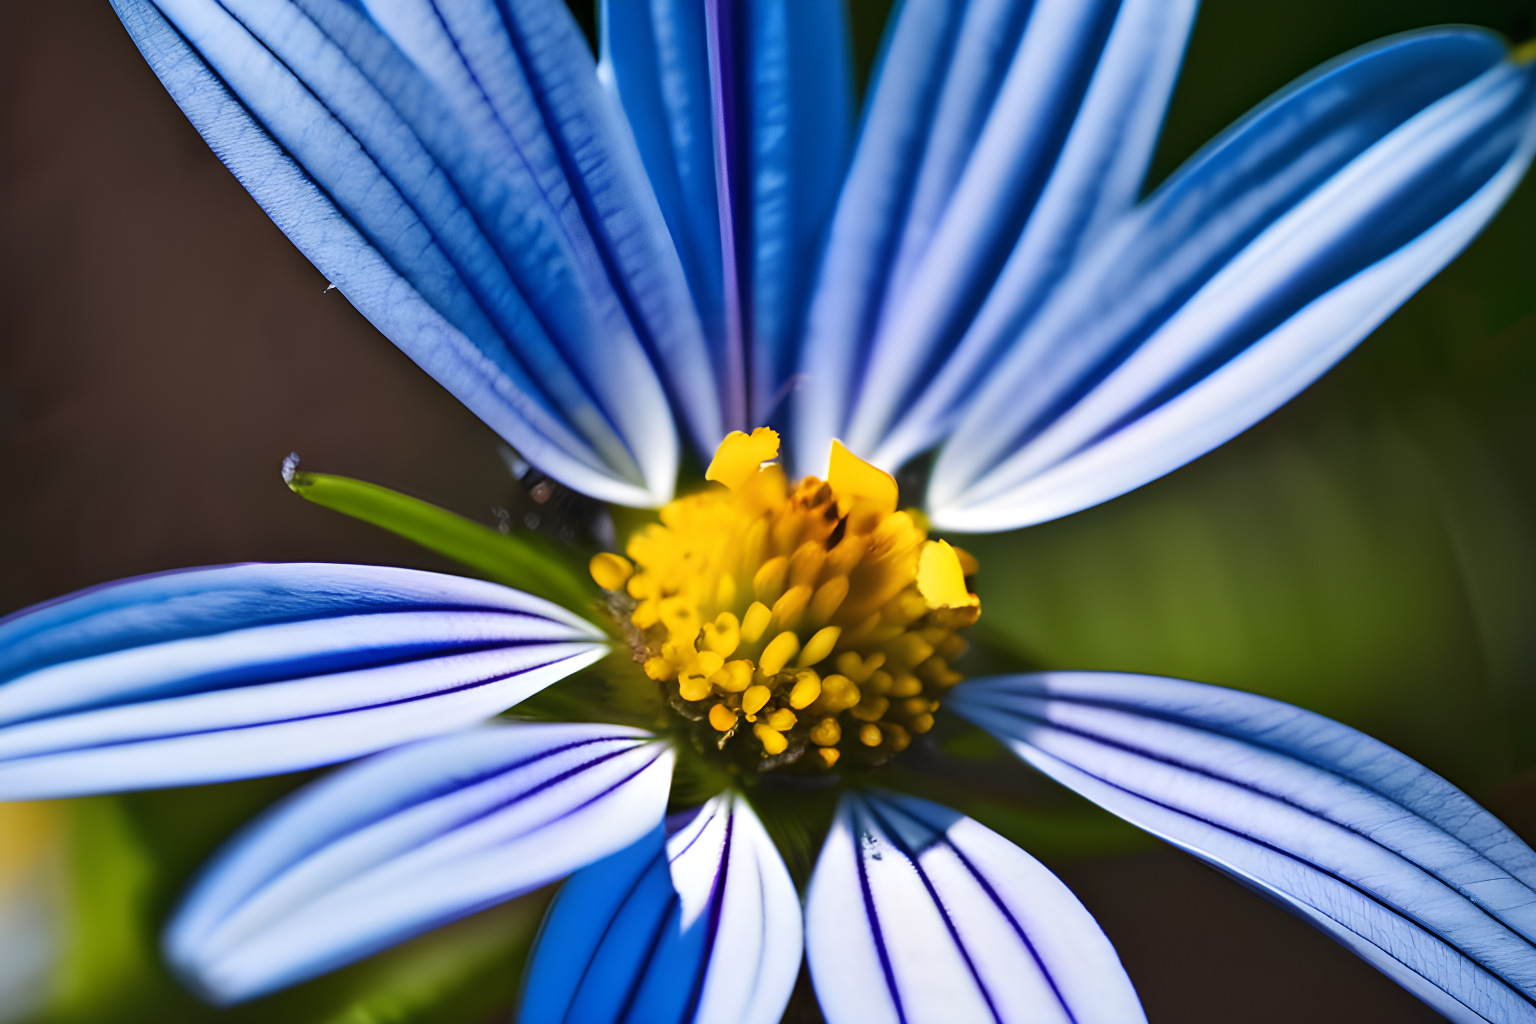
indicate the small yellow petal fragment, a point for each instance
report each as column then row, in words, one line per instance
column 869, row 735
column 807, row 689
column 740, row 455
column 940, row 578
column 610, row 571
column 753, row 700
column 851, row 476
column 722, row 718
column 968, row 563
column 819, row 646
column 826, row 733
column 693, row 687
column 735, row 677
column 659, row 669
column 772, row 740
column 778, row 652
column 829, row 755
column 783, row 720
column 723, row 635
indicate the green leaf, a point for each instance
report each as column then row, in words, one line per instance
column 528, row 561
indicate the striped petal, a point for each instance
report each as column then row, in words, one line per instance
column 702, row 926
column 916, row 914
column 410, row 840
column 1382, row 854
column 742, row 113
column 239, row 671
column 451, row 175
column 1252, row 271
column 1024, row 132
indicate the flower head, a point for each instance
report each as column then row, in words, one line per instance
column 678, row 241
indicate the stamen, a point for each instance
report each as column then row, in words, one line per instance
column 745, row 594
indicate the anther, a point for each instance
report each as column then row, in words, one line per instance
column 693, row 687
column 610, row 571
column 778, row 652
column 829, row 597
column 768, row 581
column 734, row 677
column 722, row 718
column 787, row 609
column 772, row 740
column 807, row 689
column 869, row 735
column 753, row 700
column 723, row 635
column 783, row 720
column 826, row 733
column 819, row 646
column 829, row 755
column 756, row 621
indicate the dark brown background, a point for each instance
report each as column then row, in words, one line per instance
column 162, row 347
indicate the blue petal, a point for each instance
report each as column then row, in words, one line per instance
column 655, row 58
column 742, row 115
column 1029, row 128
column 410, row 840
column 1382, row 854
column 448, row 222
column 232, row 672
column 800, row 97
column 1004, row 176
column 1250, row 273
column 866, row 223
column 1095, row 181
column 704, row 926
column 918, row 914
column 610, row 185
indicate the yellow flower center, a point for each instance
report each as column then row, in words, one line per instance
column 799, row 618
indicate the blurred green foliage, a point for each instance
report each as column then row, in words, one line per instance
column 1368, row 552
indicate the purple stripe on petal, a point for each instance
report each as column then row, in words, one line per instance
column 953, row 922
column 237, row 671
column 1372, row 848
column 408, row 841
column 701, row 926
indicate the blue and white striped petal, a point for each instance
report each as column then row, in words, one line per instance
column 410, row 840
column 918, row 914
column 1377, row 851
column 866, row 223
column 1008, row 128
column 702, row 926
column 426, row 176
column 239, row 671
column 1250, row 273
column 742, row 114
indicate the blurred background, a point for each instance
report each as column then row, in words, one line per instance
column 1368, row 552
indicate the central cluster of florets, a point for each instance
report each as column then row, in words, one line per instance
column 810, row 617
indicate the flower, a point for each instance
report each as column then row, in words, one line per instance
column 982, row 280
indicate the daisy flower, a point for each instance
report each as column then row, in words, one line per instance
column 682, row 256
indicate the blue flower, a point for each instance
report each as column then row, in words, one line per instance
column 682, row 242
